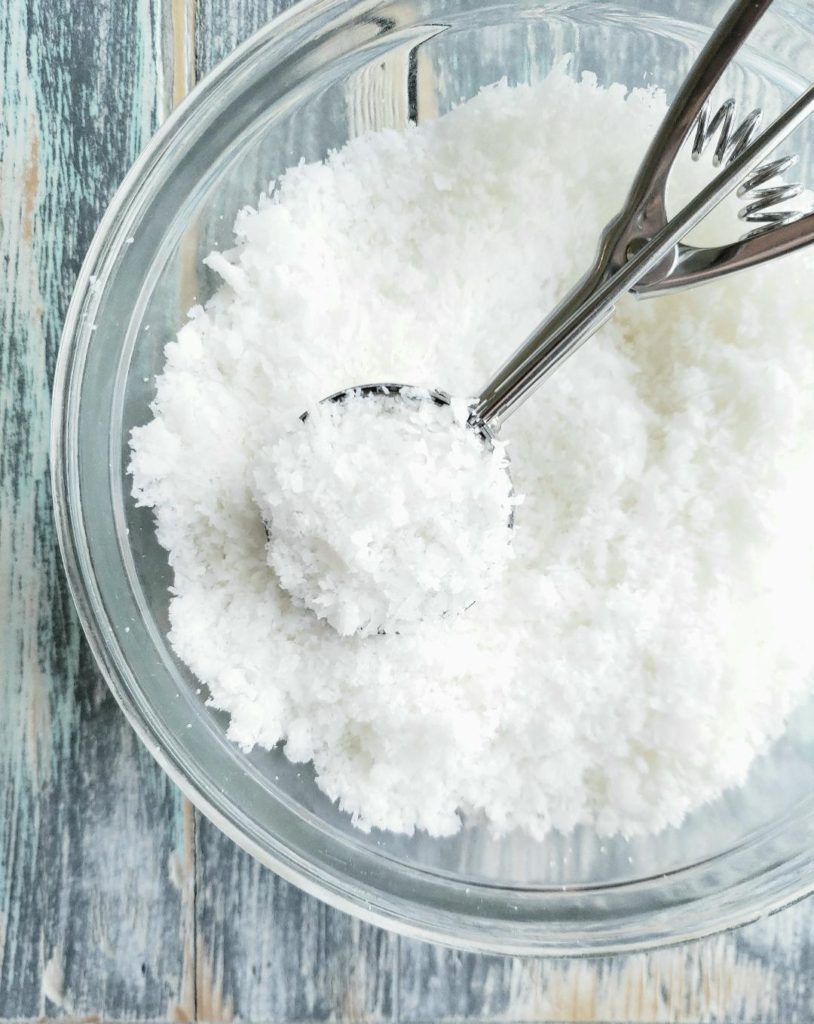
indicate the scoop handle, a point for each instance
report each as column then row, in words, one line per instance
column 592, row 301
column 642, row 216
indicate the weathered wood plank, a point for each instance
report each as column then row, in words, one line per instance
column 92, row 836
column 760, row 973
column 268, row 952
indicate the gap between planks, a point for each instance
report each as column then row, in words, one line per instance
column 182, row 53
column 183, row 32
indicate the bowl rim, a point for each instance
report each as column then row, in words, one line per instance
column 768, row 891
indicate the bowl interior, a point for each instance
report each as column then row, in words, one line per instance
column 375, row 66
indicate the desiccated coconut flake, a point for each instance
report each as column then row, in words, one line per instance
column 653, row 632
column 384, row 511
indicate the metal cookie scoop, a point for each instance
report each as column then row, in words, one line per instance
column 640, row 250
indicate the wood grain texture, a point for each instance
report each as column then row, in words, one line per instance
column 118, row 901
column 90, row 921
column 221, row 25
column 268, row 952
column 761, row 973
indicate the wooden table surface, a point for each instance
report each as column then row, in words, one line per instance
column 118, row 901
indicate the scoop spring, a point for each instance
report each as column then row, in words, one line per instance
column 732, row 140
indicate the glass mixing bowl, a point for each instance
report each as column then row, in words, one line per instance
column 310, row 80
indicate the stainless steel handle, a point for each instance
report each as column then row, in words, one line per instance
column 592, row 301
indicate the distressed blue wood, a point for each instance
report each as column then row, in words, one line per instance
column 91, row 918
column 221, row 25
column 268, row 952
column 117, row 901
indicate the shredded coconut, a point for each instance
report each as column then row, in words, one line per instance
column 653, row 631
column 385, row 510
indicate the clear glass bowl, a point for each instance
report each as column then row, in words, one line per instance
column 315, row 77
